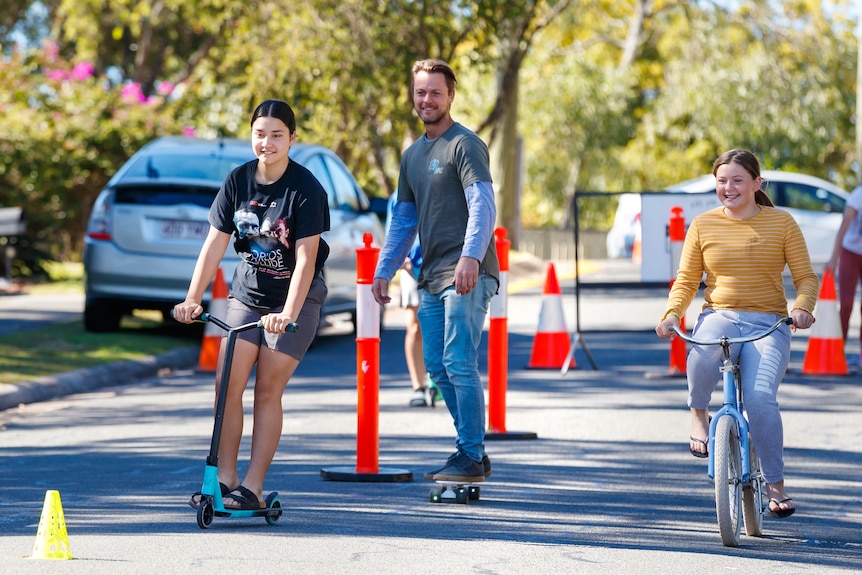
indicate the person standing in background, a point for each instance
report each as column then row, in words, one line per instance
column 846, row 262
column 408, row 281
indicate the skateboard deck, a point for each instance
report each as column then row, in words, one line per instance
column 454, row 492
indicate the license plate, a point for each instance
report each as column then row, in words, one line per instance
column 184, row 230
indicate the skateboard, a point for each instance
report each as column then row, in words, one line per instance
column 454, row 492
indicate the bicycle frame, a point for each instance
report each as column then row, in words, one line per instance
column 733, row 406
column 733, row 403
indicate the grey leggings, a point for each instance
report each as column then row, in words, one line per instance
column 763, row 363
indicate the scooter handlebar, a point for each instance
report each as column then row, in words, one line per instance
column 206, row 317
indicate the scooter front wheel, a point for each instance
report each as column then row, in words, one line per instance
column 205, row 513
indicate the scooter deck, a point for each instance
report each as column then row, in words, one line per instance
column 262, row 512
column 210, row 508
column 455, row 492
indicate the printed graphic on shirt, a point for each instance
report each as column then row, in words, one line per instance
column 434, row 167
column 266, row 242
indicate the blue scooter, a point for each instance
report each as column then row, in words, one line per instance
column 211, row 504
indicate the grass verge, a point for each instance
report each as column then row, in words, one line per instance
column 66, row 347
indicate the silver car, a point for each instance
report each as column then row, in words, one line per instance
column 148, row 224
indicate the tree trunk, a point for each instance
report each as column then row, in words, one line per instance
column 505, row 162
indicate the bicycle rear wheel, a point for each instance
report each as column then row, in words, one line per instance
column 752, row 497
column 728, row 488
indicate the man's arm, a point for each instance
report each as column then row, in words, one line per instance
column 480, row 222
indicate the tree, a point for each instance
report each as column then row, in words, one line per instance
column 604, row 95
column 52, row 160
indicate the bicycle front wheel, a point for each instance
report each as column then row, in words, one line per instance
column 728, row 485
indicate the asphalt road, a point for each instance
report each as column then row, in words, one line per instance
column 608, row 487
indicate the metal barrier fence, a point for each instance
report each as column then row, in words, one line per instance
column 554, row 244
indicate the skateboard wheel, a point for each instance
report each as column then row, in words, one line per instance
column 473, row 492
column 462, row 495
column 436, row 495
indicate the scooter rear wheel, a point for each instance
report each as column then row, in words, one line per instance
column 273, row 502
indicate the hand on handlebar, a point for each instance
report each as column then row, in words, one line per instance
column 665, row 328
column 187, row 311
column 801, row 319
column 278, row 323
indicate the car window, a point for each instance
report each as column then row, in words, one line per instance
column 165, row 195
column 345, row 188
column 183, row 166
column 811, row 198
column 315, row 164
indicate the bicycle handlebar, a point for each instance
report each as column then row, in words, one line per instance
column 206, row 317
column 724, row 340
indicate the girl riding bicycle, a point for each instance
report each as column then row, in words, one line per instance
column 742, row 248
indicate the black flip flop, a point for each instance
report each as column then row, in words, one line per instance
column 247, row 500
column 194, row 504
column 780, row 513
column 700, row 454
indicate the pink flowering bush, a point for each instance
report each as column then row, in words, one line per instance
column 64, row 131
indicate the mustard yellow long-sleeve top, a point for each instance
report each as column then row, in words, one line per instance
column 743, row 261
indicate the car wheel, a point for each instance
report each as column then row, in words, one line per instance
column 100, row 317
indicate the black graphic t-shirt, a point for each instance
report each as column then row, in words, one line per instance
column 266, row 221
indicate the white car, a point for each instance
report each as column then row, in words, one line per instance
column 815, row 204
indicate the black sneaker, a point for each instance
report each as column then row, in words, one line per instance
column 486, row 466
column 462, row 469
column 429, row 475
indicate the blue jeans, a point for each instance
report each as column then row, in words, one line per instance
column 451, row 331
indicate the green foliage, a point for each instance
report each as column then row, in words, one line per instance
column 607, row 101
column 61, row 138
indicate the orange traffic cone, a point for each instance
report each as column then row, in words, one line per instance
column 825, row 354
column 208, row 358
column 551, row 343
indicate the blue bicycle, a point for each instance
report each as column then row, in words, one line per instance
column 733, row 463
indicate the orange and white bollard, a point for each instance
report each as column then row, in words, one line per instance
column 498, row 349
column 367, row 360
column 498, row 341
column 367, row 379
column 676, row 235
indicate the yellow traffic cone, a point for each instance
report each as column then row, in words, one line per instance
column 52, row 541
